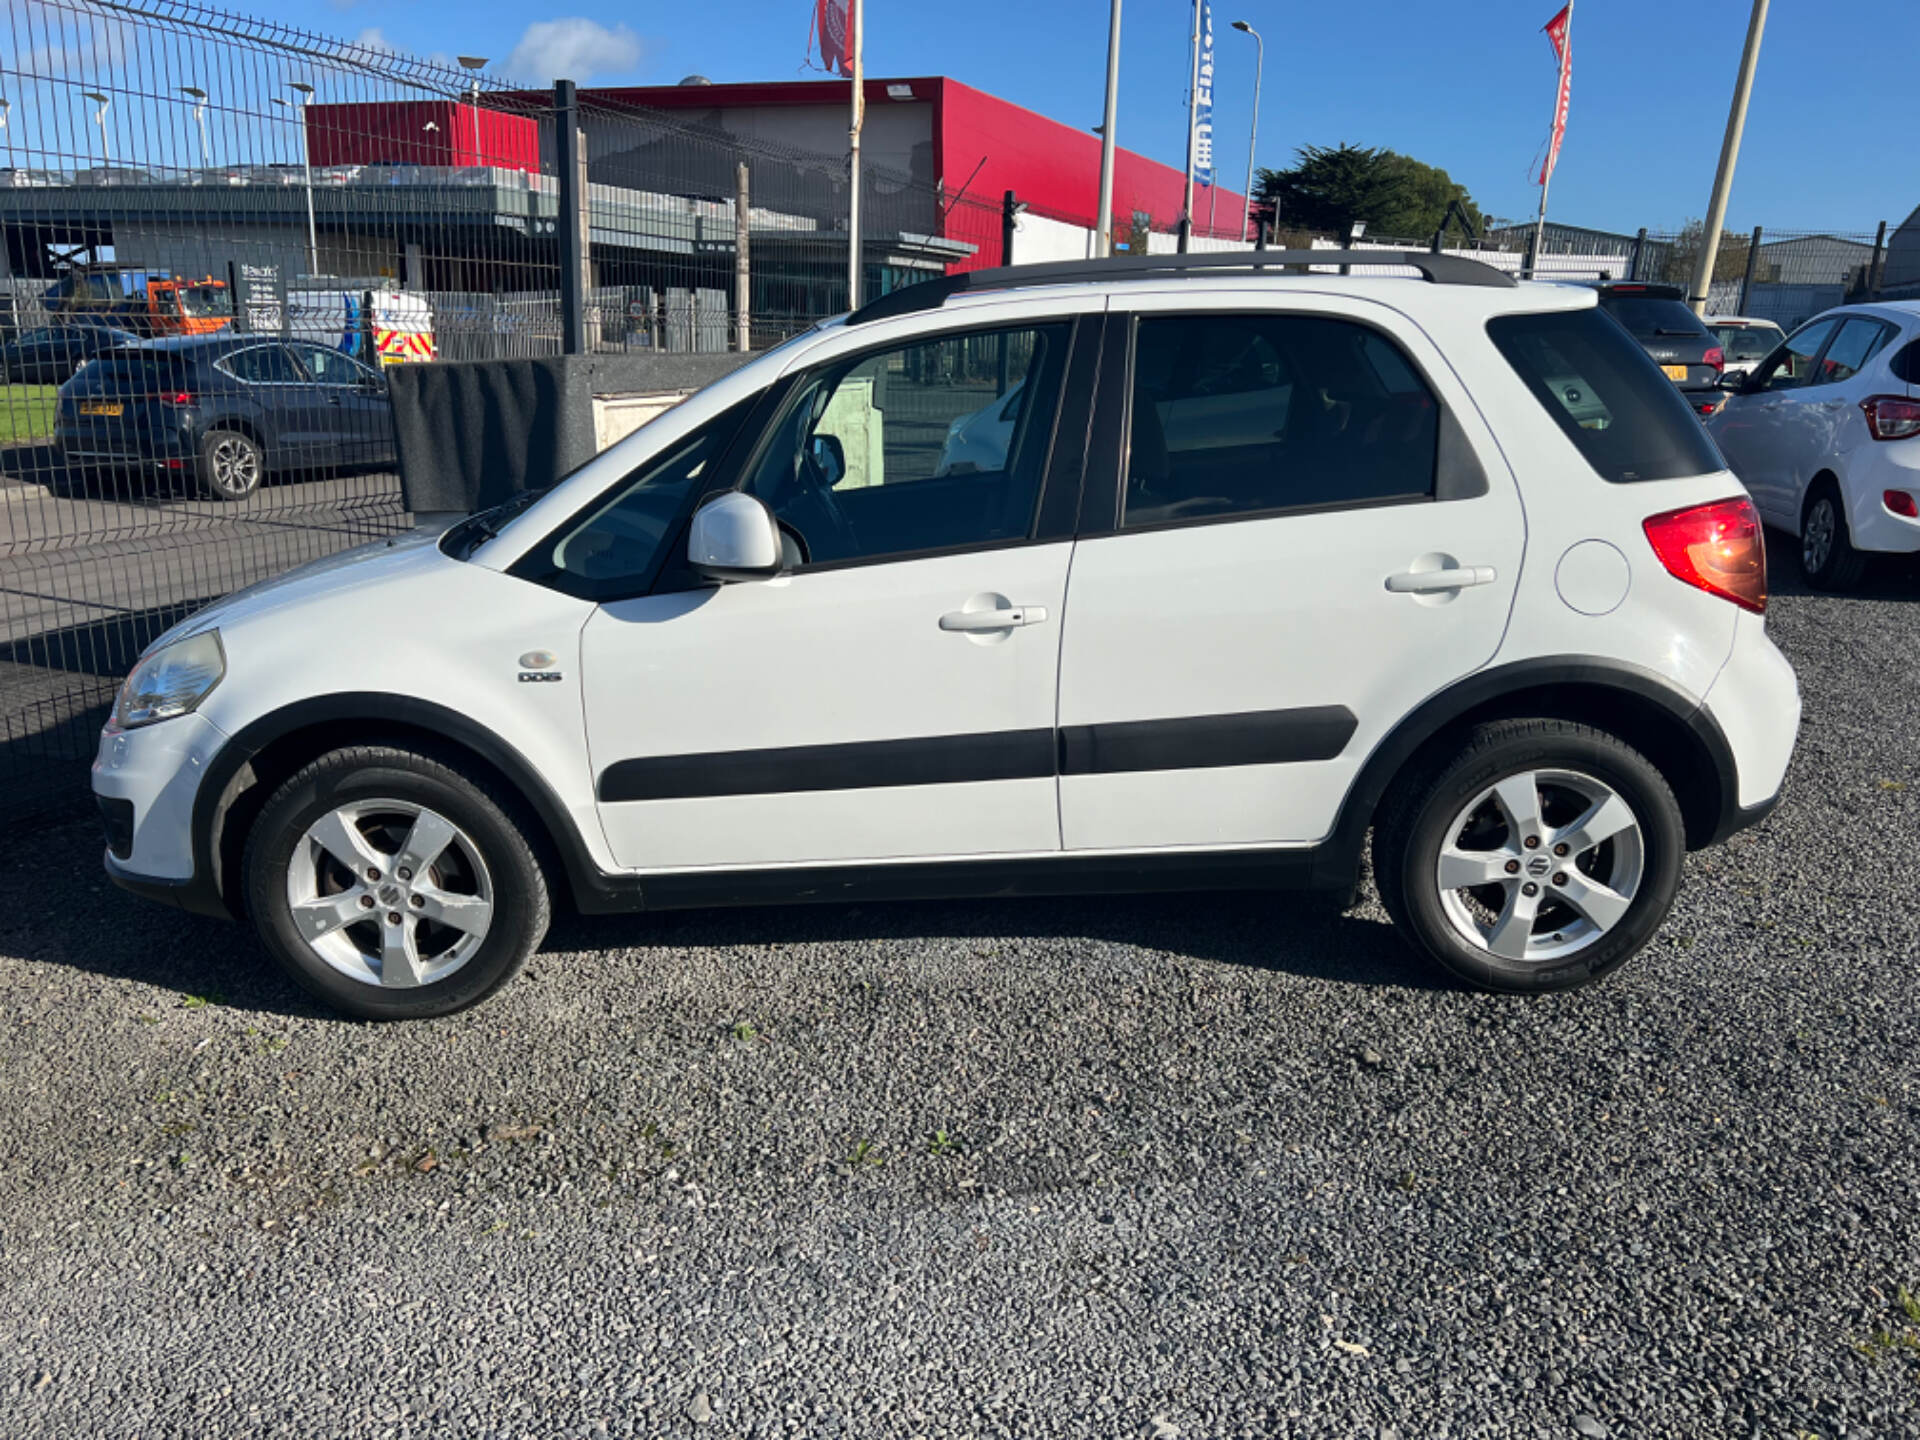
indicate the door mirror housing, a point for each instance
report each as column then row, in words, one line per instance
column 734, row 537
column 1733, row 382
column 829, row 458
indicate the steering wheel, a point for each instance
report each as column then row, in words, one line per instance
column 815, row 487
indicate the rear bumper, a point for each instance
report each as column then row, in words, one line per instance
column 1755, row 700
column 1873, row 470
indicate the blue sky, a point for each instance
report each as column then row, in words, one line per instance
column 1467, row 85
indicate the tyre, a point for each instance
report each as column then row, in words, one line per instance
column 1827, row 556
column 1541, row 855
column 393, row 886
column 232, row 464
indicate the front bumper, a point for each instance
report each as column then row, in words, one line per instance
column 157, row 771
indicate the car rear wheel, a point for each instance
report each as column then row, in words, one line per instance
column 393, row 886
column 1827, row 556
column 1540, row 856
column 232, row 464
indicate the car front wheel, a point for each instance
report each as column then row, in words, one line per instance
column 393, row 886
column 1540, row 856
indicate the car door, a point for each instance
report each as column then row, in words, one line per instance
column 300, row 430
column 356, row 400
column 34, row 359
column 1248, row 618
column 891, row 696
column 1765, row 431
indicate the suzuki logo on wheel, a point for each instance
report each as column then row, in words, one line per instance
column 1539, row 865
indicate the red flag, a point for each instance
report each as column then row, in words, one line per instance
column 834, row 20
column 1560, row 32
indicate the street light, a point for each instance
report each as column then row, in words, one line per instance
column 200, row 117
column 1103, row 221
column 1259, row 64
column 306, row 160
column 473, row 65
column 100, row 119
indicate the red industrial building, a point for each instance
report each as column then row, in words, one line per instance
column 933, row 130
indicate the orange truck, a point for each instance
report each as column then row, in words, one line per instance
column 147, row 302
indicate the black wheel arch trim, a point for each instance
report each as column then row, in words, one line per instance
column 229, row 772
column 1337, row 859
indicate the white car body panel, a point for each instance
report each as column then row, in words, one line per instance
column 1778, row 442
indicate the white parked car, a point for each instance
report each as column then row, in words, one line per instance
column 1825, row 435
column 1271, row 562
column 1744, row 341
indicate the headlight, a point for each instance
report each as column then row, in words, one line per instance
column 170, row 681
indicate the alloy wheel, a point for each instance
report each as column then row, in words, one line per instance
column 1816, row 543
column 1540, row 865
column 389, row 893
column 236, row 465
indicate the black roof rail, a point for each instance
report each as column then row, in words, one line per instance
column 931, row 294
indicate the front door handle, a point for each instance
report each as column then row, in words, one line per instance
column 1425, row 582
column 972, row 622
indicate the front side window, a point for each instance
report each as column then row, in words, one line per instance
column 206, row 301
column 1607, row 397
column 1233, row 414
column 1858, row 342
column 615, row 547
column 263, row 365
column 1792, row 366
column 935, row 445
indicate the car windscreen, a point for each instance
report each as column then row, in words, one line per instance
column 1750, row 342
column 1606, row 396
column 133, row 375
column 206, row 301
column 1647, row 316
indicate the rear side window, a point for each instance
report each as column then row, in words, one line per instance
column 1603, row 392
column 1906, row 364
column 1238, row 414
column 1859, row 340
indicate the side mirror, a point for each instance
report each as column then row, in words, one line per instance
column 829, row 457
column 734, row 537
column 1732, row 382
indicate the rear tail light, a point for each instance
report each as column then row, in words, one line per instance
column 177, row 397
column 1901, row 503
column 1715, row 547
column 1716, row 357
column 1891, row 417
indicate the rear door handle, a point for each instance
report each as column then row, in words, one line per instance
column 1425, row 582
column 971, row 622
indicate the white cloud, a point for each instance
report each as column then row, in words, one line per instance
column 574, row 48
column 372, row 38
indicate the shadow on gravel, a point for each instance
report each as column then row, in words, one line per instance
column 1296, row 934
column 56, row 907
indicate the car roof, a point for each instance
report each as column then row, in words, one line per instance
column 1740, row 320
column 218, row 341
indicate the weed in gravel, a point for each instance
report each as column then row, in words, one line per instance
column 863, row 1153
column 1895, row 1337
column 744, row 1030
column 200, row 1002
column 941, row 1143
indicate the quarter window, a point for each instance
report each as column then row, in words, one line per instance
column 1236, row 414
column 936, row 445
column 331, row 367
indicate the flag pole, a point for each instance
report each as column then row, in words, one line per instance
column 857, row 115
column 1193, row 134
column 1540, row 221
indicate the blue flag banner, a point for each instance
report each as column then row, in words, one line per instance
column 1203, row 108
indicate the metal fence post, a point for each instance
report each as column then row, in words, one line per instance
column 1876, row 265
column 1009, row 217
column 569, row 228
column 742, row 272
column 1639, row 249
column 1753, row 264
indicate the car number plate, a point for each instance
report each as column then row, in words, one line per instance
column 1674, row 372
column 100, row 407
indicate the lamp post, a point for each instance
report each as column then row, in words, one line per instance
column 1259, row 64
column 6, row 108
column 100, row 119
column 200, row 118
column 1103, row 243
column 299, row 108
column 473, row 65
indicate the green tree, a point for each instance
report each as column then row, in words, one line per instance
column 1683, row 253
column 1329, row 188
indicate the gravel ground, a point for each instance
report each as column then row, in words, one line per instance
column 1206, row 1166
